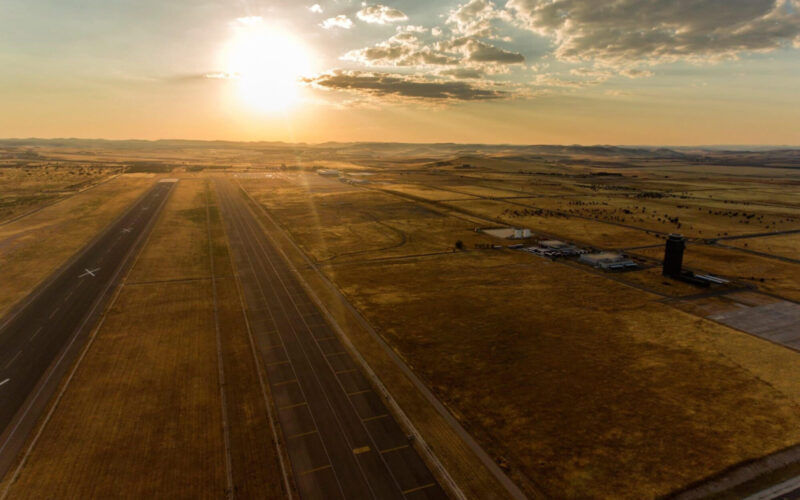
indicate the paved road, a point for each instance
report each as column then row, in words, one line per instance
column 40, row 337
column 787, row 490
column 342, row 441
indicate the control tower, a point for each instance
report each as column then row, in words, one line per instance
column 673, row 255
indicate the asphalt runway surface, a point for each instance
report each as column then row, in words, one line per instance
column 40, row 337
column 341, row 439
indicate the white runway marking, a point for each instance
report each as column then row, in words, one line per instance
column 4, row 381
column 54, row 312
column 10, row 361
column 35, row 333
column 90, row 272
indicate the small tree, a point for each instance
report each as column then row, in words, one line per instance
column 459, row 245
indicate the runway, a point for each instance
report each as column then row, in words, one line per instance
column 341, row 439
column 40, row 337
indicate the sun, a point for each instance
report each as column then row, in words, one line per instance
column 266, row 62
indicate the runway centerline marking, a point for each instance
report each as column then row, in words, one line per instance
column 418, row 488
column 296, row 405
column 4, row 381
column 10, row 361
column 396, row 448
column 377, row 417
column 309, row 471
column 301, row 434
column 35, row 333
column 356, row 393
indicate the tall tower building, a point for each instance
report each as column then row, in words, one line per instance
column 673, row 255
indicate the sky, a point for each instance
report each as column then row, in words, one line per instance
column 631, row 72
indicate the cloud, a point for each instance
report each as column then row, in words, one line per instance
column 463, row 73
column 316, row 8
column 410, row 28
column 380, row 14
column 483, row 52
column 636, row 73
column 651, row 31
column 403, row 87
column 475, row 18
column 340, row 21
column 550, row 80
column 400, row 54
column 403, row 49
column 476, row 51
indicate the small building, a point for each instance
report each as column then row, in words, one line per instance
column 521, row 234
column 553, row 244
column 609, row 261
column 541, row 251
column 561, row 248
column 328, row 173
column 507, row 233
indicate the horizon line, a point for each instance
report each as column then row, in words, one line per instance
column 493, row 144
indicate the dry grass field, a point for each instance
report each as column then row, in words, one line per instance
column 23, row 189
column 585, row 231
column 785, row 246
column 31, row 248
column 143, row 415
column 596, row 378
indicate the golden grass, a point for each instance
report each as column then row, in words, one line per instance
column 428, row 193
column 179, row 247
column 25, row 189
column 33, row 247
column 572, row 378
column 572, row 228
column 784, row 246
column 360, row 224
column 696, row 218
